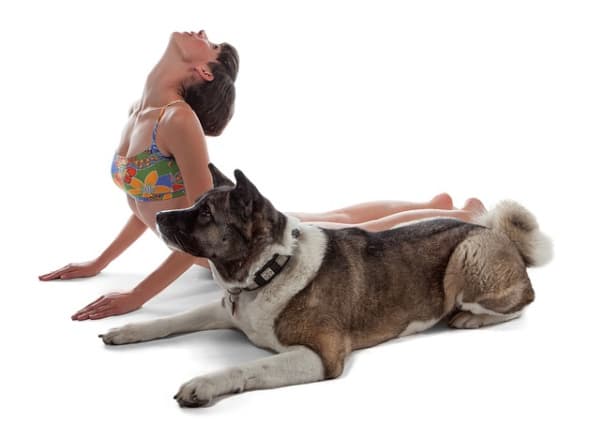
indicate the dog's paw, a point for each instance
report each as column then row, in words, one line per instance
column 465, row 319
column 196, row 392
column 122, row 335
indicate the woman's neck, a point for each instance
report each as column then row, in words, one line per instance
column 163, row 84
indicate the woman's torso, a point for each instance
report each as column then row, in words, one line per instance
column 135, row 139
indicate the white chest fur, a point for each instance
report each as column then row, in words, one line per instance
column 256, row 311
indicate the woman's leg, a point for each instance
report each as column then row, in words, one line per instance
column 472, row 209
column 371, row 211
column 203, row 262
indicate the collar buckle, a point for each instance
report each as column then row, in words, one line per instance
column 271, row 269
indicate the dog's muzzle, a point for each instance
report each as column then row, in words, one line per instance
column 171, row 229
column 166, row 227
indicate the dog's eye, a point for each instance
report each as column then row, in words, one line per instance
column 205, row 211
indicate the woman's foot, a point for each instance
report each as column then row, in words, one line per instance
column 473, row 208
column 442, row 201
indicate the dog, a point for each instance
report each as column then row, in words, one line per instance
column 313, row 295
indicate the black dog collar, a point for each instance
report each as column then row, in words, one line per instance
column 263, row 276
column 271, row 269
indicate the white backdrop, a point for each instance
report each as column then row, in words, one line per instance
column 338, row 103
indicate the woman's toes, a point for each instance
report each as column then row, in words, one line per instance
column 442, row 201
column 474, row 206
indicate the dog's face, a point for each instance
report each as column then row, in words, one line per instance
column 228, row 224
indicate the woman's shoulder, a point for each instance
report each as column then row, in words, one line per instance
column 172, row 113
column 134, row 108
column 180, row 125
column 179, row 114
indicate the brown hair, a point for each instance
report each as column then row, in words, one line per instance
column 213, row 100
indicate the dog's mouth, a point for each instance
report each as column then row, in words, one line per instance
column 176, row 238
column 172, row 237
column 179, row 240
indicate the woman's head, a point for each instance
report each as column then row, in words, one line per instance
column 211, row 90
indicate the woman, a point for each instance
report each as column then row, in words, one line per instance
column 190, row 93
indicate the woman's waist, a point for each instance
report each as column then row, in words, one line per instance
column 147, row 210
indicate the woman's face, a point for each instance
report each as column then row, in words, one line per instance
column 195, row 48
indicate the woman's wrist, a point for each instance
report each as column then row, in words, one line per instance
column 101, row 262
column 141, row 294
column 175, row 265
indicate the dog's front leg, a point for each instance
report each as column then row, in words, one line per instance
column 208, row 317
column 297, row 366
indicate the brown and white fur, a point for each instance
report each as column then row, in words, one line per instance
column 341, row 290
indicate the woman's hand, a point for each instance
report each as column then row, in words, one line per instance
column 108, row 305
column 78, row 270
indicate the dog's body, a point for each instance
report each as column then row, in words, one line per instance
column 335, row 291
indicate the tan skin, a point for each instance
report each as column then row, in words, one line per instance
column 185, row 61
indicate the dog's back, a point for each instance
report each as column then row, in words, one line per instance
column 372, row 286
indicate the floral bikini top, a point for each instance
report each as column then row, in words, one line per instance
column 149, row 175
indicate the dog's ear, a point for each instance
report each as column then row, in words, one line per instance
column 219, row 179
column 243, row 184
column 246, row 195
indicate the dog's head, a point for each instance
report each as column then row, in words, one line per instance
column 230, row 225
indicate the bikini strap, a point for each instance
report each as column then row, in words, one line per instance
column 153, row 147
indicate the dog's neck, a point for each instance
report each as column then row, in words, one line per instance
column 269, row 271
column 267, row 264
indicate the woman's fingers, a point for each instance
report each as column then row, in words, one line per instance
column 101, row 301
column 105, row 313
column 98, row 312
column 55, row 274
column 67, row 275
column 87, row 311
column 108, row 305
column 47, row 276
column 99, row 309
column 73, row 270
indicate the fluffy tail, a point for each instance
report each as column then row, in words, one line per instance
column 522, row 228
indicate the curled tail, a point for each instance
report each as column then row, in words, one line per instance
column 522, row 228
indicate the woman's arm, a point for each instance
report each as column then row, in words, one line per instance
column 130, row 233
column 134, row 107
column 121, row 303
column 187, row 143
column 175, row 265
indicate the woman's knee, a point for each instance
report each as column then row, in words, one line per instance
column 341, row 217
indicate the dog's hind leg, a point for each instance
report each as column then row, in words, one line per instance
column 465, row 319
column 486, row 282
column 296, row 366
column 208, row 317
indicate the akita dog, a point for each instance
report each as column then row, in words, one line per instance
column 313, row 295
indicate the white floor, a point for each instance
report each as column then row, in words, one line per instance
column 541, row 366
